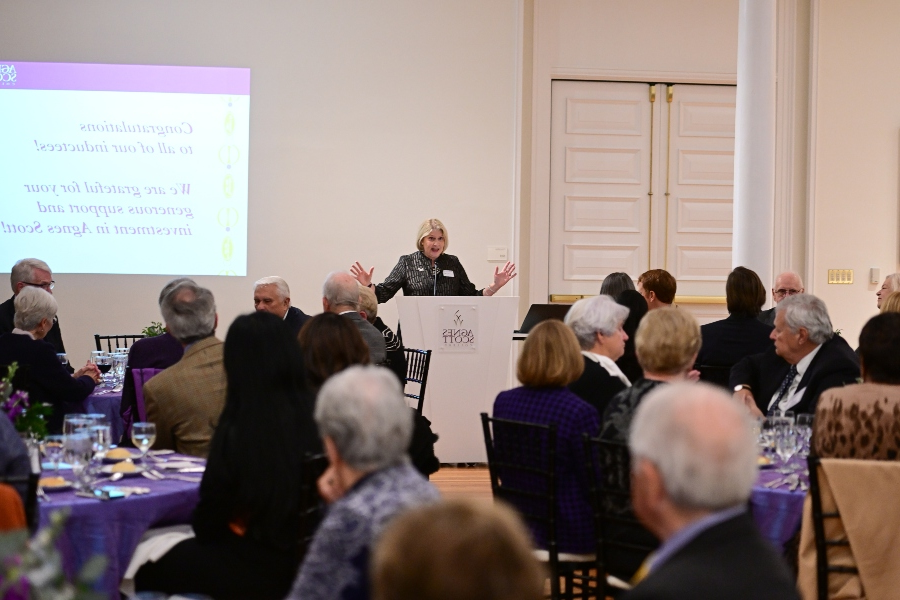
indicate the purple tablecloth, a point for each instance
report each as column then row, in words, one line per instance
column 778, row 511
column 114, row 528
column 109, row 403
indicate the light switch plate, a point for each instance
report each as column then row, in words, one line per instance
column 840, row 276
column 497, row 254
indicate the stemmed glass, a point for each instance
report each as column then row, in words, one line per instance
column 75, row 422
column 804, row 433
column 143, row 435
column 52, row 446
column 100, row 440
column 785, row 441
column 78, row 450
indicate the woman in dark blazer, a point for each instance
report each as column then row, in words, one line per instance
column 46, row 379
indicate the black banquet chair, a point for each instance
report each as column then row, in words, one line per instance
column 417, row 364
column 116, row 341
column 522, row 465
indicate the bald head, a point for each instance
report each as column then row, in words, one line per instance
column 340, row 292
column 787, row 284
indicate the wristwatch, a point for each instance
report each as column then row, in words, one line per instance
column 742, row 386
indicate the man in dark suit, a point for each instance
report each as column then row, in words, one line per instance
column 786, row 285
column 693, row 467
column 340, row 295
column 272, row 294
column 807, row 359
column 35, row 273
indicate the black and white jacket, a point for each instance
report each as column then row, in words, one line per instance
column 416, row 277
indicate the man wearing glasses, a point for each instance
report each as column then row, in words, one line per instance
column 787, row 284
column 35, row 273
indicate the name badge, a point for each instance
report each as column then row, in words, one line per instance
column 448, row 273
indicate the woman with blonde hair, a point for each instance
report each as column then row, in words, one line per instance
column 429, row 271
column 891, row 303
column 550, row 360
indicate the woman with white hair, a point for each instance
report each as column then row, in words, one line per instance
column 597, row 323
column 365, row 427
column 47, row 381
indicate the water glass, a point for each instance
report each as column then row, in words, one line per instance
column 143, row 435
column 122, row 350
column 804, row 433
column 767, row 435
column 120, row 361
column 52, row 447
column 63, row 358
column 75, row 422
column 785, row 440
column 77, row 450
column 101, row 438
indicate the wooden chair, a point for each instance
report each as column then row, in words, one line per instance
column 622, row 541
column 116, row 341
column 417, row 363
column 822, row 543
column 522, row 466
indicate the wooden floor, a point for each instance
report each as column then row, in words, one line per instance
column 463, row 482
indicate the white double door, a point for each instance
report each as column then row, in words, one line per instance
column 641, row 178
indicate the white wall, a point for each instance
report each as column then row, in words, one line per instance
column 856, row 88
column 366, row 118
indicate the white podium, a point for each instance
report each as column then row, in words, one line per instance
column 470, row 338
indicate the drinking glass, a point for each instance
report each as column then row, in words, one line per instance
column 767, row 435
column 105, row 364
column 63, row 358
column 120, row 360
column 52, row 447
column 122, row 350
column 75, row 422
column 101, row 438
column 785, row 441
column 77, row 449
column 804, row 433
column 143, row 435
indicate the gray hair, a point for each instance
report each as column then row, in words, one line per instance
column 190, row 312
column 33, row 305
column 893, row 281
column 809, row 312
column 171, row 286
column 590, row 315
column 23, row 270
column 363, row 411
column 280, row 284
column 341, row 289
column 700, row 441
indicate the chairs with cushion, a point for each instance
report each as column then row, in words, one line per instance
column 137, row 414
column 417, row 363
column 14, row 514
column 623, row 543
column 116, row 341
column 522, row 465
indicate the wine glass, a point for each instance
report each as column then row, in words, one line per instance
column 804, row 433
column 105, row 364
column 77, row 449
column 785, row 441
column 52, row 447
column 63, row 358
column 143, row 435
column 101, row 438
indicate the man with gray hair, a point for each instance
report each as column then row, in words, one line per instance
column 340, row 295
column 186, row 399
column 31, row 272
column 807, row 359
column 365, row 427
column 787, row 284
column 693, row 461
column 272, row 295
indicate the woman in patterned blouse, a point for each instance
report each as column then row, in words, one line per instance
column 430, row 272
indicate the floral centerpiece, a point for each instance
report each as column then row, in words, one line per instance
column 29, row 419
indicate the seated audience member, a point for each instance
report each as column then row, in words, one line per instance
column 393, row 345
column 657, row 286
column 616, row 283
column 247, row 523
column 456, row 550
column 14, row 459
column 637, row 308
column 272, row 295
column 667, row 342
column 863, row 420
column 31, row 272
column 693, row 467
column 366, row 427
column 891, row 303
column 330, row 344
column 891, row 284
column 158, row 352
column 727, row 341
column 597, row 323
column 806, row 360
column 787, row 284
column 186, row 399
column 47, row 380
column 550, row 360
column 340, row 295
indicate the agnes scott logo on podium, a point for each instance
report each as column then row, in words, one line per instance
column 7, row 74
column 459, row 327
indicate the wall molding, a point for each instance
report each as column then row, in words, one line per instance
column 810, row 278
column 590, row 74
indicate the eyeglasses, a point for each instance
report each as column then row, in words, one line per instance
column 780, row 293
column 46, row 286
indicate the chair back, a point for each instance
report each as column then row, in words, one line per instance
column 123, row 340
column 14, row 513
column 623, row 543
column 138, row 413
column 714, row 374
column 522, row 465
column 417, row 363
column 311, row 507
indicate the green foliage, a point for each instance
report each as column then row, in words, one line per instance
column 154, row 329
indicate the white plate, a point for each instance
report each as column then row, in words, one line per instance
column 108, row 470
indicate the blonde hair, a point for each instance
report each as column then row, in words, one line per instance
column 667, row 340
column 550, row 356
column 891, row 303
column 426, row 227
column 368, row 303
column 484, row 554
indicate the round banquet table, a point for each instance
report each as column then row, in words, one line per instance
column 114, row 528
column 778, row 510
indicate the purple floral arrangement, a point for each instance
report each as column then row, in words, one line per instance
column 29, row 419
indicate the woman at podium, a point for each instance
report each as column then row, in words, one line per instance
column 429, row 271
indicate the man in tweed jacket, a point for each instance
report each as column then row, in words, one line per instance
column 186, row 399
